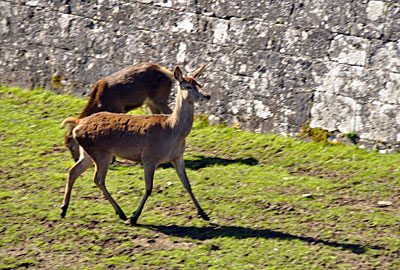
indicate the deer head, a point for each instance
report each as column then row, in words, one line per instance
column 191, row 90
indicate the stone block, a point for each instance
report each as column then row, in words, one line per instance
column 270, row 11
column 381, row 122
column 349, row 50
column 335, row 112
column 249, row 33
column 313, row 43
column 369, row 19
column 390, row 94
column 334, row 16
column 385, row 56
column 349, row 81
column 392, row 18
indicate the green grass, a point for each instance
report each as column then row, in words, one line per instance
column 274, row 202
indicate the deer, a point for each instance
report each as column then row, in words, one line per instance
column 126, row 90
column 147, row 139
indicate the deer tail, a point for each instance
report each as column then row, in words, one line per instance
column 72, row 121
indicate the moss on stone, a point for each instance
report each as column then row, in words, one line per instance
column 315, row 134
column 56, row 80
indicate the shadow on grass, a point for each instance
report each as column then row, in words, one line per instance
column 211, row 232
column 201, row 161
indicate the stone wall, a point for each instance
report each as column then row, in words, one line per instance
column 273, row 66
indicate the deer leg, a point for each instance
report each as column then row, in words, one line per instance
column 153, row 109
column 80, row 166
column 99, row 179
column 162, row 107
column 71, row 144
column 179, row 165
column 149, row 170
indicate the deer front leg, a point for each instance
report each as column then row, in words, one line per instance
column 179, row 165
column 99, row 179
column 148, row 179
column 80, row 166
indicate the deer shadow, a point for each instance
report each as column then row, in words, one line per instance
column 215, row 231
column 201, row 161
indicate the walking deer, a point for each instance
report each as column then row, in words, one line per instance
column 149, row 139
column 125, row 90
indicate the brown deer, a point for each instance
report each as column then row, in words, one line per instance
column 149, row 139
column 125, row 90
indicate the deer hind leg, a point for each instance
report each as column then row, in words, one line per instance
column 153, row 108
column 160, row 99
column 80, row 166
column 149, row 170
column 159, row 103
column 71, row 144
column 102, row 165
column 162, row 107
column 179, row 165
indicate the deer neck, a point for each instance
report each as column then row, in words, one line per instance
column 181, row 119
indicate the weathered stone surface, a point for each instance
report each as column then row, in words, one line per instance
column 334, row 16
column 336, row 112
column 385, row 55
column 272, row 66
column 349, row 50
column 392, row 18
column 370, row 18
column 352, row 99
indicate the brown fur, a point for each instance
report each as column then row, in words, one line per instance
column 70, row 121
column 149, row 139
column 125, row 90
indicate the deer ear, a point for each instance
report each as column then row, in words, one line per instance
column 178, row 74
column 197, row 72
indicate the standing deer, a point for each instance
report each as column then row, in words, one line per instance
column 125, row 90
column 149, row 139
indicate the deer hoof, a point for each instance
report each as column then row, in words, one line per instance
column 122, row 216
column 134, row 220
column 204, row 216
column 63, row 211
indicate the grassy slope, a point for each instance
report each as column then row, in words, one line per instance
column 275, row 202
